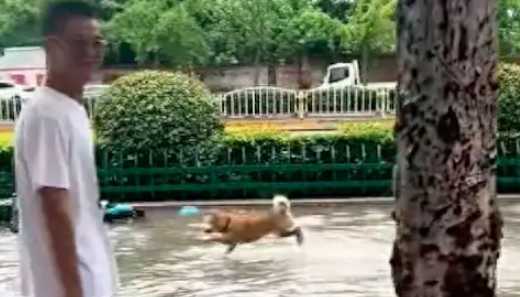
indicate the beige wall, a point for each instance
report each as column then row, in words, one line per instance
column 240, row 76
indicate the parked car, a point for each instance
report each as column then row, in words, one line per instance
column 10, row 90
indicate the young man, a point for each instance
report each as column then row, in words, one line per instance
column 65, row 248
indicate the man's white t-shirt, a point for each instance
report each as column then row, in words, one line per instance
column 54, row 148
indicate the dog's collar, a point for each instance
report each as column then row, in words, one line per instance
column 226, row 225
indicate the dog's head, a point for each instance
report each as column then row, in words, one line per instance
column 281, row 204
column 215, row 222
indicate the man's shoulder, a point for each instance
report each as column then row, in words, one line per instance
column 38, row 114
column 42, row 107
column 37, row 118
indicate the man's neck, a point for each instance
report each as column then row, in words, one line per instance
column 73, row 90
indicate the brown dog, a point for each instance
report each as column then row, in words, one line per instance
column 232, row 228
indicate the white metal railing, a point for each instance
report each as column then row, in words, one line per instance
column 269, row 102
column 259, row 102
column 272, row 102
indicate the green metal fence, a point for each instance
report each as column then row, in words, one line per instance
column 249, row 171
column 331, row 171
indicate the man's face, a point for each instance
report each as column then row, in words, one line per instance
column 77, row 50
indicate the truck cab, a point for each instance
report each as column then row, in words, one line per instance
column 340, row 75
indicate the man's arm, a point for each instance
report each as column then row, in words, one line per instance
column 56, row 207
column 47, row 160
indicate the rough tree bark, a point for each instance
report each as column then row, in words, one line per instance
column 447, row 220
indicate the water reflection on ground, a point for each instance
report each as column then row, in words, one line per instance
column 346, row 254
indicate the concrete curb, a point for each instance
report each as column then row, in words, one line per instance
column 296, row 202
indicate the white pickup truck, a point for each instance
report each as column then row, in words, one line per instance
column 340, row 75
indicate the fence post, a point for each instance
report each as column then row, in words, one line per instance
column 384, row 103
column 300, row 97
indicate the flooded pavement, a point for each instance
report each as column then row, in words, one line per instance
column 345, row 254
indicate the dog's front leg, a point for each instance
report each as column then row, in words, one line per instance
column 297, row 232
column 222, row 238
column 231, row 248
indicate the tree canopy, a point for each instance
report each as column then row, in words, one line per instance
column 216, row 32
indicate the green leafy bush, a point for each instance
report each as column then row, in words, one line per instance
column 509, row 98
column 158, row 111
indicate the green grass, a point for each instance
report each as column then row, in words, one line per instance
column 6, row 139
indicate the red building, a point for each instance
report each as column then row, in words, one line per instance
column 23, row 65
column 26, row 66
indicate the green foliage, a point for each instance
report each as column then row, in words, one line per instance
column 509, row 26
column 308, row 27
column 167, row 32
column 157, row 111
column 18, row 22
column 184, row 33
column 354, row 143
column 509, row 98
column 371, row 26
column 266, row 30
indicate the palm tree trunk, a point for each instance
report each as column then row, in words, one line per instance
column 448, row 225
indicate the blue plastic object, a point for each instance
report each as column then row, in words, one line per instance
column 120, row 208
column 188, row 211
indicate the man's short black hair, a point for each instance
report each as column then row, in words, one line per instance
column 57, row 13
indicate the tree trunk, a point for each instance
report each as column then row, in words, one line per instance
column 448, row 224
column 272, row 75
column 365, row 53
column 304, row 72
column 258, row 67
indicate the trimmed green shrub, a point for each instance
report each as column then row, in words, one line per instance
column 509, row 97
column 158, row 111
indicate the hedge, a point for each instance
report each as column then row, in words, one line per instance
column 366, row 142
column 355, row 143
column 509, row 97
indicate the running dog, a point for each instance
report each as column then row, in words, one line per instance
column 233, row 228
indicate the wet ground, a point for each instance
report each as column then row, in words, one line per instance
column 346, row 254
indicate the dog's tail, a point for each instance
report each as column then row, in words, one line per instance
column 281, row 204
